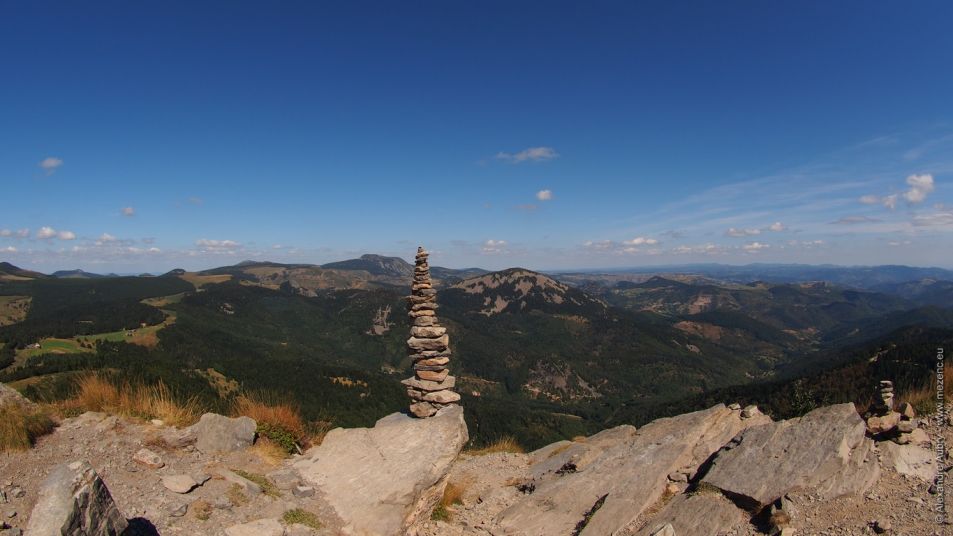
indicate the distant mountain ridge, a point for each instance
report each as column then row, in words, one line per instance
column 79, row 274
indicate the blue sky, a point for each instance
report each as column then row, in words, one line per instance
column 147, row 136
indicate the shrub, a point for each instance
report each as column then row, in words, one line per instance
column 20, row 426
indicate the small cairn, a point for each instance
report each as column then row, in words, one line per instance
column 884, row 422
column 430, row 389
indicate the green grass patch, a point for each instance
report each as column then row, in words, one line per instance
column 301, row 517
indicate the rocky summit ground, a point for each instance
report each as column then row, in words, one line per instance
column 720, row 471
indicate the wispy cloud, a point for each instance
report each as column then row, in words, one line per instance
column 218, row 246
column 532, row 154
column 544, row 195
column 850, row 220
column 775, row 227
column 919, row 187
column 48, row 233
column 50, row 164
column 128, row 212
column 491, row 246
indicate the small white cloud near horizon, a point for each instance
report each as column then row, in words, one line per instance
column 106, row 237
column 217, row 244
column 50, row 164
column 737, row 233
column 755, row 246
column 66, row 235
column 9, row 249
column 531, row 154
column 45, row 232
column 544, row 195
column 777, row 227
column 128, row 211
column 848, row 220
column 641, row 241
column 494, row 246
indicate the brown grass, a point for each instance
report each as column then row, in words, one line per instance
column 201, row 509
column 95, row 392
column 452, row 495
column 235, row 495
column 268, row 451
column 280, row 421
column 923, row 397
column 20, row 426
column 503, row 444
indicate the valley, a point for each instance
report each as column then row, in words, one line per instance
column 538, row 357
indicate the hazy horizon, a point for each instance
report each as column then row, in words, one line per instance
column 540, row 135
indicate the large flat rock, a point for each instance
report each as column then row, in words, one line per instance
column 702, row 514
column 618, row 473
column 74, row 501
column 377, row 480
column 824, row 451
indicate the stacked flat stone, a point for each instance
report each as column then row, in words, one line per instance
column 884, row 403
column 431, row 387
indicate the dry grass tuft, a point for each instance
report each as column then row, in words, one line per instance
column 301, row 517
column 20, row 426
column 235, row 495
column 268, row 451
column 201, row 509
column 923, row 398
column 95, row 392
column 452, row 495
column 277, row 420
column 503, row 444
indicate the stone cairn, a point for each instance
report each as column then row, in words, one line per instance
column 884, row 422
column 430, row 389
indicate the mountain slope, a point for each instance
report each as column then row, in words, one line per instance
column 9, row 272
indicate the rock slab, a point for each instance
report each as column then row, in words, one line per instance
column 377, row 479
column 824, row 450
column 74, row 500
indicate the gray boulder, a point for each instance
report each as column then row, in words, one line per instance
column 701, row 514
column 380, row 480
column 613, row 477
column 824, row 451
column 217, row 433
column 74, row 501
column 9, row 395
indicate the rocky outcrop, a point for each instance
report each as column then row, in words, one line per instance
column 593, row 483
column 75, row 501
column 217, row 433
column 379, row 480
column 702, row 514
column 9, row 395
column 825, row 450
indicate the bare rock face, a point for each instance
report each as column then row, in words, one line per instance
column 376, row 480
column 217, row 433
column 75, row 501
column 825, row 450
column 9, row 395
column 910, row 460
column 703, row 514
column 614, row 476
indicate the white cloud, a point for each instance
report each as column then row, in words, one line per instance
column 641, row 241
column 6, row 232
column 218, row 245
column 23, row 233
column 742, row 232
column 9, row 249
column 777, row 227
column 50, row 164
column 66, row 235
column 920, row 187
column 897, row 243
column 106, row 238
column 494, row 246
column 544, row 195
column 45, row 233
column 755, row 246
column 532, row 154
column 937, row 219
column 128, row 211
